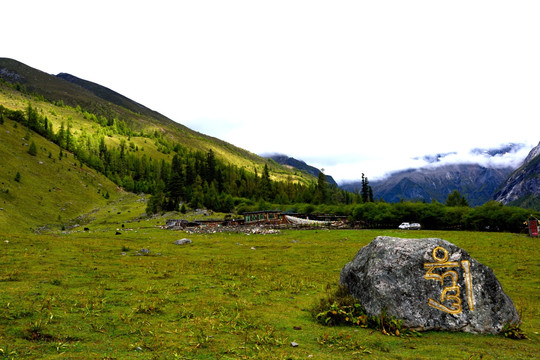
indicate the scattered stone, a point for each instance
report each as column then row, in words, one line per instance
column 430, row 284
column 294, row 344
column 183, row 241
column 145, row 251
column 252, row 248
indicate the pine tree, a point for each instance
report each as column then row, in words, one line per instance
column 321, row 191
column 364, row 190
column 69, row 139
column 32, row 150
column 31, row 117
column 210, row 167
column 18, row 177
column 175, row 186
column 265, row 185
column 456, row 199
column 198, row 198
column 60, row 136
column 367, row 191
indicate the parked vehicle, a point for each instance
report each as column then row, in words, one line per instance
column 409, row 226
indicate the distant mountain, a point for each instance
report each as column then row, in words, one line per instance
column 475, row 182
column 300, row 165
column 522, row 188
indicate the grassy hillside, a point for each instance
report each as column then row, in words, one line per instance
column 54, row 191
column 50, row 191
column 94, row 295
column 54, row 90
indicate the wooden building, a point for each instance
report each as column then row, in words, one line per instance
column 265, row 217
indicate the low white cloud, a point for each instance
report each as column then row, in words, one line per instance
column 377, row 169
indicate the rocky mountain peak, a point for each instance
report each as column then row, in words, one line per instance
column 523, row 186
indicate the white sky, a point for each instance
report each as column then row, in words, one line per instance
column 348, row 86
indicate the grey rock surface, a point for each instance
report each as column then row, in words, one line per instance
column 183, row 241
column 430, row 284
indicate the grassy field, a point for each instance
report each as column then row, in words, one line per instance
column 94, row 295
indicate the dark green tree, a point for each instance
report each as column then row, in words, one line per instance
column 367, row 192
column 210, row 167
column 61, row 136
column 18, row 177
column 156, row 201
column 456, row 199
column 265, row 185
column 32, row 150
column 321, row 190
column 198, row 197
column 32, row 117
column 175, row 186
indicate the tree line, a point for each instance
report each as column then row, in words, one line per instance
column 491, row 216
column 192, row 178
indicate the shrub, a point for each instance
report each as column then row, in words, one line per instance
column 513, row 331
column 32, row 150
column 341, row 308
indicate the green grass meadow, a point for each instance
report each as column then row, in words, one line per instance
column 89, row 295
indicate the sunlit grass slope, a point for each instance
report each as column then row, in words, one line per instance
column 50, row 190
column 138, row 117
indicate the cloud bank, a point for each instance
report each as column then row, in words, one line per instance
column 506, row 155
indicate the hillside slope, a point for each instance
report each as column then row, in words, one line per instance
column 522, row 188
column 48, row 190
column 300, row 165
column 98, row 100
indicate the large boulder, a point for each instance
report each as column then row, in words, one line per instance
column 430, row 284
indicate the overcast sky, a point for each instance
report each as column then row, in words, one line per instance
column 349, row 86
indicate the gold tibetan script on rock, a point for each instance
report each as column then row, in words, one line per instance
column 450, row 301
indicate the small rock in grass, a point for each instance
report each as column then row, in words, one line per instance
column 183, row 241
